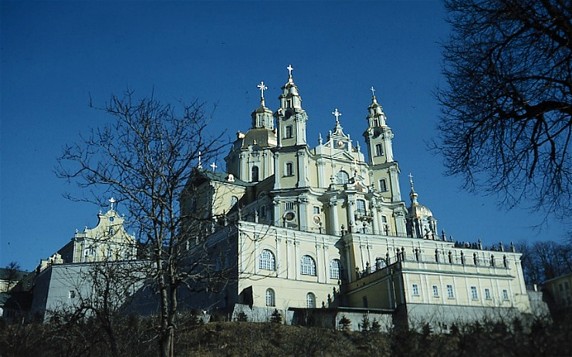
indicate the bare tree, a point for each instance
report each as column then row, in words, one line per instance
column 99, row 294
column 145, row 157
column 12, row 275
column 506, row 120
column 542, row 261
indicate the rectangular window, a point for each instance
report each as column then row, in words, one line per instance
column 505, row 294
column 360, row 207
column 435, row 291
column 382, row 185
column 378, row 150
column 450, row 292
column 289, row 169
column 415, row 290
column 289, row 133
column 474, row 293
column 487, row 294
column 71, row 294
column 316, row 210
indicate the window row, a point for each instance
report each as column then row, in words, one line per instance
column 267, row 261
column 451, row 292
column 271, row 299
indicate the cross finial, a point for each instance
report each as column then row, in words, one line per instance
column 337, row 114
column 411, row 180
column 262, row 88
column 372, row 91
column 200, row 164
column 213, row 166
column 290, row 69
column 111, row 202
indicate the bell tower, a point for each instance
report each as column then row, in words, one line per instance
column 379, row 139
column 291, row 118
column 378, row 135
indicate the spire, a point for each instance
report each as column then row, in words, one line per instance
column 413, row 195
column 376, row 116
column 290, row 97
column 291, row 118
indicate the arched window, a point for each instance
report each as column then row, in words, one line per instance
column 335, row 268
column 308, row 266
column 289, row 169
column 262, row 212
column 310, row 300
column 233, row 201
column 270, row 297
column 254, row 173
column 266, row 260
column 342, row 177
column 360, row 207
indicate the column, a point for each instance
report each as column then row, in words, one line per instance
column 321, row 179
column 350, row 213
column 394, row 183
column 243, row 172
column 375, row 213
column 277, row 216
column 301, row 169
column 303, row 213
column 334, row 221
column 278, row 261
column 277, row 171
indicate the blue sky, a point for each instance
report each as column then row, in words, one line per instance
column 55, row 56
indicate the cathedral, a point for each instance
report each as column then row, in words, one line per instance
column 325, row 230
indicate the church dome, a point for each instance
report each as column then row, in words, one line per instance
column 418, row 210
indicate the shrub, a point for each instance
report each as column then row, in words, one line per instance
column 345, row 323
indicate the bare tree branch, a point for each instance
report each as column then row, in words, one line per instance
column 144, row 157
column 507, row 111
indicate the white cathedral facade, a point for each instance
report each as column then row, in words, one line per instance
column 325, row 228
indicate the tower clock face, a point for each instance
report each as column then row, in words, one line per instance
column 340, row 144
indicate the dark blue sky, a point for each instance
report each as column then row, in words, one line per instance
column 55, row 56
